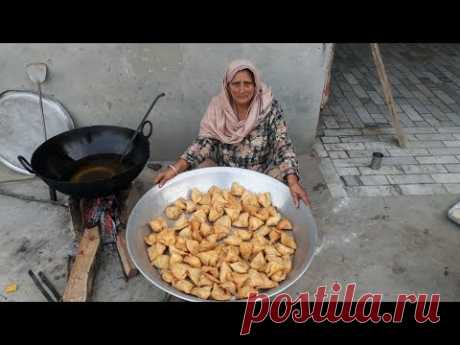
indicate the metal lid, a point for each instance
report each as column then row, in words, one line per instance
column 21, row 129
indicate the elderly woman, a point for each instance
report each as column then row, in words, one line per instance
column 243, row 127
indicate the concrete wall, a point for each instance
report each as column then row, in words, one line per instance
column 115, row 83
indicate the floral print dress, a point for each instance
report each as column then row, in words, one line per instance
column 267, row 149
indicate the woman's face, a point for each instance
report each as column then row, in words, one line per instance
column 242, row 88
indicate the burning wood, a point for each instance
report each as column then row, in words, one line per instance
column 98, row 221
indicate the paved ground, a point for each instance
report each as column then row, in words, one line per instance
column 355, row 123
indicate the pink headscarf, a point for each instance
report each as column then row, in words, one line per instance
column 221, row 121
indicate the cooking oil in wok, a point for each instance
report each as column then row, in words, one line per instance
column 98, row 167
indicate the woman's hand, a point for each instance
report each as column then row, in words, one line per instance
column 172, row 171
column 164, row 176
column 297, row 191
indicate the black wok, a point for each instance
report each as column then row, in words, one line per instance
column 85, row 162
column 92, row 161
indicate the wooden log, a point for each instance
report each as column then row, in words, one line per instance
column 128, row 199
column 80, row 281
column 126, row 263
column 402, row 139
column 76, row 216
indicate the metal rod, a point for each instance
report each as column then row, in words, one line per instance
column 41, row 109
column 40, row 287
column 49, row 285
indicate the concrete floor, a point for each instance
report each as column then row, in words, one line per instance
column 389, row 245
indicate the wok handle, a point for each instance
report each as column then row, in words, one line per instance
column 150, row 129
column 150, row 109
column 26, row 164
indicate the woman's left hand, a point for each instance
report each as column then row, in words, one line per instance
column 297, row 191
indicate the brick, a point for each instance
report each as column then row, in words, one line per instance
column 328, row 171
column 424, row 169
column 432, row 77
column 345, row 124
column 350, row 180
column 431, row 137
column 364, row 115
column 437, row 160
column 445, row 151
column 449, row 129
column 337, row 191
column 446, row 178
column 431, row 120
column 319, row 149
column 371, row 191
column 344, row 86
column 371, row 107
column 339, row 132
column 330, row 140
column 405, row 121
column 436, row 112
column 403, row 90
column 345, row 105
column 373, row 180
column 421, row 189
column 360, row 139
column 443, row 96
column 353, row 99
column 379, row 146
column 344, row 146
column 410, row 179
column 411, row 113
column 420, row 130
column 336, row 109
column 351, row 162
column 354, row 120
column 356, row 73
column 454, row 118
column 410, row 137
column 390, row 130
column 364, row 153
column 338, row 154
column 350, row 78
column 425, row 144
column 420, row 96
column 378, row 131
column 359, row 91
column 421, row 109
column 453, row 188
column 398, row 160
column 394, row 80
column 379, row 118
column 384, row 170
column 424, row 90
column 330, row 122
column 452, row 168
column 347, row 171
column 452, row 143
column 446, row 124
column 407, row 152
column 375, row 97
column 439, row 104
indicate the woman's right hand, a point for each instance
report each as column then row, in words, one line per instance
column 164, row 176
